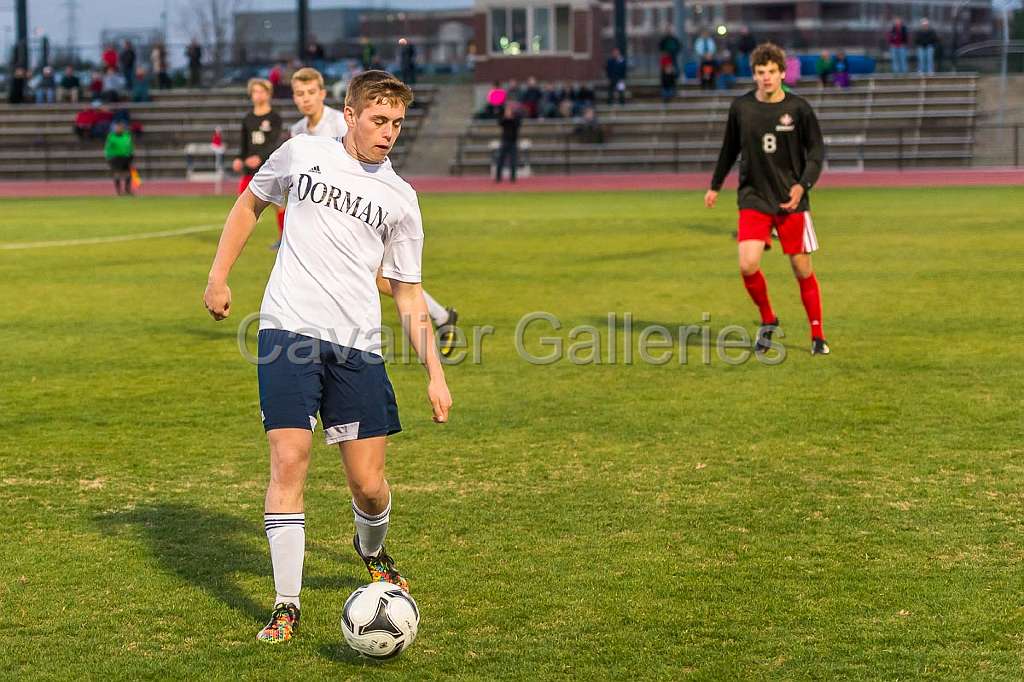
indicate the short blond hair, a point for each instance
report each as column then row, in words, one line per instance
column 307, row 75
column 376, row 87
column 259, row 82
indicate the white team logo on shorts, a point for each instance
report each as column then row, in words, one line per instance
column 341, row 433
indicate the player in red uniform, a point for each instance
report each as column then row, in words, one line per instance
column 782, row 155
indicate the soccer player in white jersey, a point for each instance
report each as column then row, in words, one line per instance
column 348, row 215
column 318, row 119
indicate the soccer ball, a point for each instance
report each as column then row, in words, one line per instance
column 380, row 620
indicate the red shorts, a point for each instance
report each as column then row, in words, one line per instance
column 795, row 230
column 243, row 182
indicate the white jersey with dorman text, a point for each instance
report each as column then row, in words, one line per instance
column 331, row 124
column 344, row 220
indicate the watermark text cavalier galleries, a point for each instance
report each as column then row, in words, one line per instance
column 540, row 338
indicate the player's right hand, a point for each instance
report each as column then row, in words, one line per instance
column 217, row 299
column 236, row 165
column 709, row 198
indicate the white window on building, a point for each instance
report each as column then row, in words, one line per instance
column 562, row 22
column 538, row 29
column 540, row 37
column 499, row 30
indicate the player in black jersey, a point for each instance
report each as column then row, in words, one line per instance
column 261, row 136
column 782, row 155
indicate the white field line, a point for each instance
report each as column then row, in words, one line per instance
column 12, row 246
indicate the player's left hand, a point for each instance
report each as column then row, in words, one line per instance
column 440, row 399
column 796, row 193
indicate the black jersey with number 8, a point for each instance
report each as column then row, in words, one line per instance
column 779, row 144
column 261, row 135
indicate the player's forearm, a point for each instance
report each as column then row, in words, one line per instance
column 412, row 310
column 726, row 158
column 237, row 229
column 814, row 149
column 728, row 153
column 813, row 166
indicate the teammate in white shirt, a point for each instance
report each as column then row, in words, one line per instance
column 348, row 216
column 318, row 119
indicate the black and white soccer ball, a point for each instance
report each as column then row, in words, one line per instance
column 380, row 620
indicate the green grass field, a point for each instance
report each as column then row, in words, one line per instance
column 852, row 517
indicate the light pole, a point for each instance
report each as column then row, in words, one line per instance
column 21, row 44
column 303, row 23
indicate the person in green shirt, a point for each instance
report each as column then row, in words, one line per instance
column 120, row 150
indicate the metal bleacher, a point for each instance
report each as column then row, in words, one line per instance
column 37, row 141
column 879, row 122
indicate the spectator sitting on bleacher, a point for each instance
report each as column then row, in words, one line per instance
column 496, row 98
column 841, row 69
column 588, row 129
column 70, row 86
column 707, row 71
column 824, row 67
column 514, row 92
column 532, row 97
column 726, row 72
column 96, row 86
column 124, row 116
column 113, row 84
column 94, row 122
column 46, row 92
column 554, row 97
column 582, row 96
column 705, row 44
column 140, row 90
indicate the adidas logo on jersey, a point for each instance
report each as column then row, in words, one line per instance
column 314, row 169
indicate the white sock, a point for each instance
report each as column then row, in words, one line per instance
column 437, row 312
column 371, row 529
column 287, row 536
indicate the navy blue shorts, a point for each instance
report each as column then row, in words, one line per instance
column 300, row 376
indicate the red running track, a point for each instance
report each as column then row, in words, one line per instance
column 547, row 183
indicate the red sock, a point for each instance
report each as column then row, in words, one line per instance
column 758, row 290
column 810, row 293
column 280, row 223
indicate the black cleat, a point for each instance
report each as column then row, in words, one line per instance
column 820, row 347
column 764, row 336
column 447, row 337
